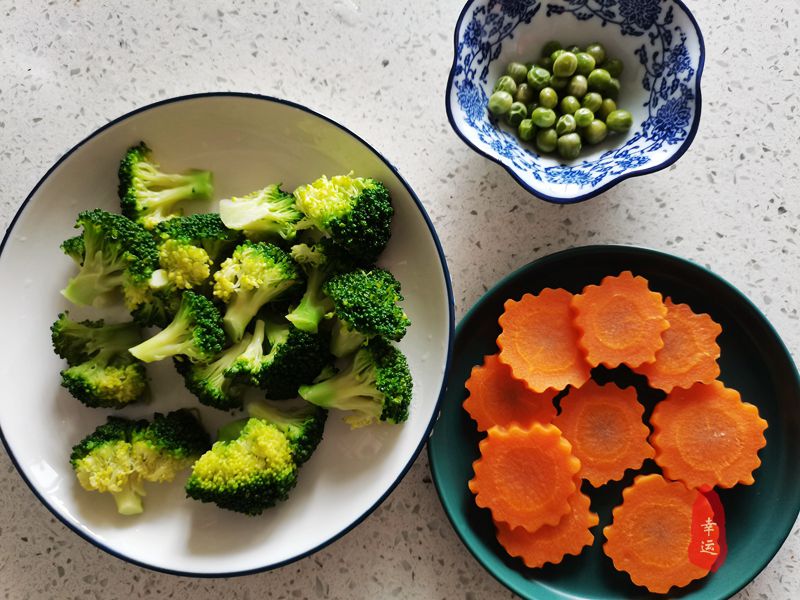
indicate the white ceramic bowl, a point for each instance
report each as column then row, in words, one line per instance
column 248, row 141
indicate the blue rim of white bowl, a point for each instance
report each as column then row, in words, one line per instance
column 603, row 188
column 451, row 335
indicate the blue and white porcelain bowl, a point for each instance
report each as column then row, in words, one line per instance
column 663, row 51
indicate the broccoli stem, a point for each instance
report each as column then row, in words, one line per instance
column 92, row 283
column 344, row 391
column 129, row 500
column 243, row 307
column 345, row 341
column 164, row 199
column 172, row 340
column 313, row 305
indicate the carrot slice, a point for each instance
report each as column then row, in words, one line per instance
column 690, row 350
column 497, row 398
column 551, row 543
column 651, row 533
column 539, row 341
column 705, row 436
column 620, row 321
column 525, row 476
column 604, row 425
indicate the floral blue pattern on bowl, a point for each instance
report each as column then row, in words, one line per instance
column 661, row 46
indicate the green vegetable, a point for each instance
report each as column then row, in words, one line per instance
column 586, row 63
column 374, row 383
column 619, row 121
column 583, row 117
column 606, row 108
column 597, row 52
column 526, row 130
column 614, row 66
column 517, row 113
column 545, row 62
column 565, row 65
column 543, row 117
column 548, row 98
column 148, row 195
column 538, row 77
column 500, row 103
column 559, row 83
column 569, row 104
column 547, row 140
column 577, row 87
column 506, row 84
column 569, row 146
column 303, row 424
column 599, row 80
column 551, row 47
column 565, row 124
column 74, row 248
column 613, row 88
column 264, row 212
column 517, row 71
column 101, row 372
column 556, row 53
column 524, row 94
column 593, row 101
column 595, row 132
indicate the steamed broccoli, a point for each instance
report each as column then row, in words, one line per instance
column 375, row 383
column 251, row 467
column 302, row 424
column 148, row 196
column 247, row 367
column 196, row 332
column 155, row 304
column 256, row 274
column 117, row 253
column 119, row 455
column 269, row 211
column 356, row 213
column 101, row 372
column 366, row 305
column 74, row 248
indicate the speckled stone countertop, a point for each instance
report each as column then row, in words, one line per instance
column 380, row 67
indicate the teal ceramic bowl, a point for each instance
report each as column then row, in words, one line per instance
column 754, row 361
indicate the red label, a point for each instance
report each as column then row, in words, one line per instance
column 708, row 546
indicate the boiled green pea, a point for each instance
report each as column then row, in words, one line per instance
column 526, row 130
column 593, row 101
column 612, row 89
column 597, row 52
column 547, row 140
column 569, row 146
column 565, row 65
column 599, row 79
column 506, row 84
column 583, row 117
column 545, row 62
column 619, row 121
column 614, row 66
column 565, row 124
column 543, row 117
column 586, row 63
column 524, row 94
column 569, row 104
column 574, row 49
column 556, row 54
column 595, row 132
column 559, row 83
column 517, row 71
column 578, row 86
column 500, row 103
column 516, row 114
column 538, row 78
column 606, row 108
column 548, row 98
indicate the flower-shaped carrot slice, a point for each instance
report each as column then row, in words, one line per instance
column 497, row 398
column 620, row 321
column 651, row 533
column 551, row 543
column 690, row 351
column 604, row 425
column 539, row 341
column 705, row 436
column 525, row 476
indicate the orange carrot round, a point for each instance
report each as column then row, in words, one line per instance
column 651, row 533
column 497, row 398
column 525, row 476
column 604, row 425
column 620, row 321
column 705, row 436
column 539, row 341
column 690, row 350
column 551, row 543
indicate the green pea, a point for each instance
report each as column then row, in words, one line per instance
column 593, row 101
column 569, row 104
column 606, row 108
column 619, row 121
column 517, row 71
column 524, row 94
column 548, row 98
column 559, row 83
column 543, row 117
column 578, row 86
column 551, row 47
column 595, row 132
column 506, row 84
column 583, row 117
column 569, row 146
column 500, row 103
column 556, row 54
column 547, row 140
column 565, row 124
column 586, row 63
column 538, row 78
column 565, row 65
column 597, row 51
column 545, row 62
column 526, row 130
column 574, row 49
column 599, row 79
column 614, row 66
column 516, row 114
column 612, row 89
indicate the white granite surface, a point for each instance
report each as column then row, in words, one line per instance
column 380, row 67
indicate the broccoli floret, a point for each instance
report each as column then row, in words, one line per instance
column 247, row 368
column 168, row 444
column 355, row 212
column 117, row 253
column 249, row 469
column 302, row 424
column 212, row 382
column 157, row 303
column 269, row 211
column 295, row 358
column 256, row 274
column 119, row 455
column 148, row 196
column 195, row 332
column 375, row 383
column 74, row 248
column 101, row 372
column 366, row 304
